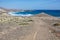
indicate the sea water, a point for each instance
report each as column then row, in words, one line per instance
column 55, row 13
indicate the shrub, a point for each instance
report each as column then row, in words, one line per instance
column 23, row 23
column 56, row 24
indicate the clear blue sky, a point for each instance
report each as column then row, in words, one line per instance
column 31, row 4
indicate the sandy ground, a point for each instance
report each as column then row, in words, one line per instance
column 37, row 30
column 43, row 32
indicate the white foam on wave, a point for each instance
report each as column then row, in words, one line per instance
column 13, row 14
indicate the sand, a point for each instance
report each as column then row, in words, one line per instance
column 38, row 29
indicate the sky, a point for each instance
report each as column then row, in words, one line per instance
column 31, row 4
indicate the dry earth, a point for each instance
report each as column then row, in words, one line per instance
column 38, row 29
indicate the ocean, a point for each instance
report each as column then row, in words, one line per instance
column 55, row 13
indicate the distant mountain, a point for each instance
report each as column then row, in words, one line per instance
column 3, row 10
column 9, row 10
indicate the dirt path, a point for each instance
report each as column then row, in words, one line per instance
column 42, row 31
column 37, row 31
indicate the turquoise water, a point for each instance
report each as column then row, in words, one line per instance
column 55, row 13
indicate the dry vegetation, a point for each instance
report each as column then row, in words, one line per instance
column 29, row 28
column 16, row 20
